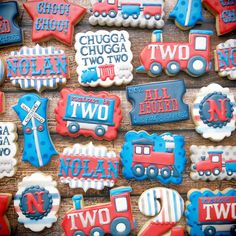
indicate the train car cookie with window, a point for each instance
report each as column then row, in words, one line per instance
column 114, row 217
column 172, row 57
column 128, row 13
column 89, row 114
column 211, row 163
column 154, row 157
column 211, row 213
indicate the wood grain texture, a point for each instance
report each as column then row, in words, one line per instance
column 138, row 38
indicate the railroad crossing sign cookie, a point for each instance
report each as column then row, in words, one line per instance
column 144, row 14
column 37, row 201
column 114, row 217
column 8, row 149
column 193, row 56
column 187, row 13
column 54, row 19
column 225, row 13
column 89, row 114
column 10, row 31
column 211, row 163
column 225, row 59
column 97, row 167
column 157, row 103
column 37, row 68
column 5, row 199
column 211, row 212
column 154, row 157
column 166, row 206
column 38, row 147
column 214, row 112
column 103, row 58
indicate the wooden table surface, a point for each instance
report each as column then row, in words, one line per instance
column 138, row 38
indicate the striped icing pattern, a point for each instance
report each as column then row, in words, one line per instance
column 46, row 182
column 166, row 204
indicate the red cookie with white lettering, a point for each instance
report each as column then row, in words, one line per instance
column 89, row 114
column 54, row 19
column 211, row 213
column 225, row 13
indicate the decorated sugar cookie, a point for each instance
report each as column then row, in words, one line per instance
column 211, row 212
column 38, row 147
column 143, row 14
column 10, row 31
column 187, row 13
column 154, row 157
column 37, row 201
column 37, row 68
column 89, row 114
column 211, row 163
column 225, row 13
column 157, row 103
column 225, row 59
column 166, row 206
column 54, row 19
column 103, row 58
column 172, row 57
column 2, row 71
column 2, row 102
column 214, row 112
column 8, row 149
column 114, row 217
column 88, row 166
column 5, row 199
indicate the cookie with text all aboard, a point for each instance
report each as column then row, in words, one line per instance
column 8, row 149
column 10, row 31
column 166, row 208
column 225, row 59
column 214, row 112
column 37, row 201
column 225, row 13
column 211, row 212
column 193, row 57
column 37, row 68
column 187, row 13
column 87, row 113
column 5, row 199
column 54, row 19
column 103, row 58
column 213, row 162
column 38, row 147
column 143, row 14
column 157, row 103
column 88, row 166
column 114, row 217
column 154, row 157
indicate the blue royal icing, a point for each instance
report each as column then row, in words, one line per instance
column 38, row 147
column 171, row 146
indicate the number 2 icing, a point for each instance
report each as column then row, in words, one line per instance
column 38, row 147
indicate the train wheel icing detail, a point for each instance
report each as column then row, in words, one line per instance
column 216, row 171
column 165, row 172
column 96, row 13
column 135, row 16
column 73, row 128
column 156, row 68
column 125, row 16
column 173, row 68
column 152, row 172
column 208, row 172
column 112, row 14
column 79, row 233
column 104, row 14
column 197, row 66
column 120, row 227
column 138, row 170
column 201, row 173
column 100, row 131
column 157, row 17
column 97, row 231
column 229, row 172
column 147, row 16
column 210, row 231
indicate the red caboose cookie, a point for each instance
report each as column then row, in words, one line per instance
column 89, row 114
